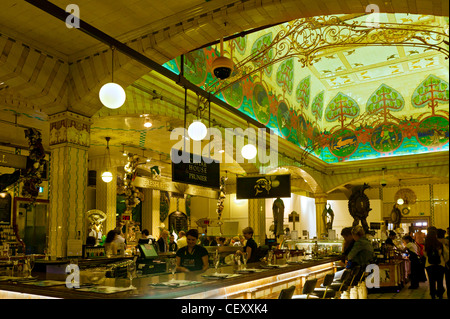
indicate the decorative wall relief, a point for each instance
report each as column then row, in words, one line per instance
column 132, row 193
column 35, row 164
column 164, row 206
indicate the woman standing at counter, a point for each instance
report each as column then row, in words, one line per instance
column 192, row 257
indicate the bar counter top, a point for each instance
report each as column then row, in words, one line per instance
column 153, row 286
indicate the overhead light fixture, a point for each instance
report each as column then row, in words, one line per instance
column 107, row 176
column 249, row 151
column 112, row 95
column 197, row 130
column 147, row 123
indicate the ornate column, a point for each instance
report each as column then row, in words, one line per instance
column 321, row 202
column 156, row 195
column 69, row 144
column 147, row 209
column 257, row 219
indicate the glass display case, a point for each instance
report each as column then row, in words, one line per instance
column 310, row 246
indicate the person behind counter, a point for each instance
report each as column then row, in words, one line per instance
column 110, row 245
column 250, row 246
column 172, row 244
column 192, row 257
column 162, row 242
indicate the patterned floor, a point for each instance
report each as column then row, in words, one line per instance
column 421, row 293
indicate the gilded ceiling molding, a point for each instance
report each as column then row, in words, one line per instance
column 306, row 38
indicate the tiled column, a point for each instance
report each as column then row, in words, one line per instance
column 257, row 219
column 156, row 195
column 147, row 211
column 321, row 202
column 69, row 144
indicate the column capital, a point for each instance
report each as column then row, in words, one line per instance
column 68, row 128
column 320, row 198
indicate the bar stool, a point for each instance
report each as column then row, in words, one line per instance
column 342, row 283
column 287, row 293
column 325, row 291
column 308, row 288
column 355, row 272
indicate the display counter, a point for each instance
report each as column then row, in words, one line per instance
column 394, row 273
column 258, row 281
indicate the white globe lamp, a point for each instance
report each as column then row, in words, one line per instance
column 197, row 131
column 112, row 95
column 107, row 176
column 400, row 201
column 249, row 151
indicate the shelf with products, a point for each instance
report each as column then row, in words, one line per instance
column 308, row 246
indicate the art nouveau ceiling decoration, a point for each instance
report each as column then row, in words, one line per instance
column 337, row 88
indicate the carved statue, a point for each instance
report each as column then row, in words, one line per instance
column 328, row 217
column 278, row 215
column 96, row 218
column 359, row 206
column 396, row 216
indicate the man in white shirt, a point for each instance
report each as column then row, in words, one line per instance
column 181, row 242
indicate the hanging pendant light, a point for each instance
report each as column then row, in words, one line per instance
column 112, row 95
column 197, row 130
column 249, row 151
column 107, row 176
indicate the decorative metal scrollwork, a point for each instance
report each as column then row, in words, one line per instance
column 306, row 38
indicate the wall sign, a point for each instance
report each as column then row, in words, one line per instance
column 197, row 171
column 13, row 160
column 264, row 186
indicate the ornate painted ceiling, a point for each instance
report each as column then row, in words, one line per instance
column 341, row 90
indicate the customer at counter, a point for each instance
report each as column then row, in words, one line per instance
column 390, row 240
column 412, row 249
column 362, row 252
column 435, row 264
column 192, row 257
column 181, row 241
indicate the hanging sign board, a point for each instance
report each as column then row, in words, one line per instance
column 198, row 170
column 13, row 160
column 264, row 186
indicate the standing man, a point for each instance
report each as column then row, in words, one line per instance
column 162, row 242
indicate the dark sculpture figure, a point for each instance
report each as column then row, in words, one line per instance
column 328, row 217
column 396, row 216
column 359, row 206
column 278, row 215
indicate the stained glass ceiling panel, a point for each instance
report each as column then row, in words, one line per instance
column 352, row 102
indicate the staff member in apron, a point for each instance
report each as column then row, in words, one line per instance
column 192, row 257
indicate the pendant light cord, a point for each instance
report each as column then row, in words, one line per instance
column 112, row 64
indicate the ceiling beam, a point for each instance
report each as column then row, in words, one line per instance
column 62, row 15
